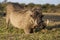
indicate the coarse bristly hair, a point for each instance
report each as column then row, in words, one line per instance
column 22, row 18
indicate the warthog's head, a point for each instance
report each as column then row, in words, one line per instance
column 37, row 16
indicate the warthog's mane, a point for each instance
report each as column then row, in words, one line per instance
column 16, row 7
column 20, row 8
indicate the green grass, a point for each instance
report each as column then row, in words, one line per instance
column 12, row 33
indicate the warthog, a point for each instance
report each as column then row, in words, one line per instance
column 22, row 18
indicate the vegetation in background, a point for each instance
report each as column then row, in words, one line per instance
column 48, row 8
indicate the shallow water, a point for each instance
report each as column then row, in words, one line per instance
column 52, row 18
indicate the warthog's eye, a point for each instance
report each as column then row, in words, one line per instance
column 32, row 16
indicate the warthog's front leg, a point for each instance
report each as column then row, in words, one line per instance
column 28, row 30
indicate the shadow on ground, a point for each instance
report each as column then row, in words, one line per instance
column 49, row 27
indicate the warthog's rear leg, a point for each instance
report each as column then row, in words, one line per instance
column 7, row 21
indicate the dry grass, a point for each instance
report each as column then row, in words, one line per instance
column 52, row 32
